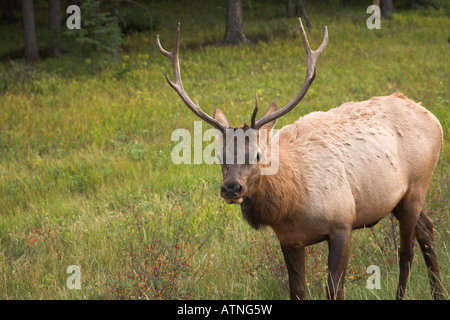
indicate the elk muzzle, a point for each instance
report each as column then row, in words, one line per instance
column 232, row 191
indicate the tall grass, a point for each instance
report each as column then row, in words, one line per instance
column 86, row 176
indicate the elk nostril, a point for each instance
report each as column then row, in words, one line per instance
column 224, row 189
column 237, row 189
column 231, row 189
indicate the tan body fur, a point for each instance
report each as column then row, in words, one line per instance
column 346, row 169
column 349, row 166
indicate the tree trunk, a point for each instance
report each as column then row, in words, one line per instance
column 387, row 8
column 234, row 33
column 301, row 12
column 54, row 26
column 115, row 12
column 288, row 8
column 8, row 7
column 29, row 31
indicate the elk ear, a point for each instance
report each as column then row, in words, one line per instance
column 220, row 116
column 267, row 128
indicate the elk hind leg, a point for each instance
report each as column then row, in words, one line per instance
column 425, row 236
column 407, row 212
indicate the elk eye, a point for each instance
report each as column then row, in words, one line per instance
column 258, row 156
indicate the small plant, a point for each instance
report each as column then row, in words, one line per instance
column 152, row 272
column 99, row 30
column 137, row 151
column 37, row 234
column 157, row 267
column 264, row 260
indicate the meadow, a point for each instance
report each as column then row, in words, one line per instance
column 86, row 176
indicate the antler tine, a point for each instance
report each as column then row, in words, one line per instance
column 311, row 58
column 178, row 85
column 255, row 111
column 173, row 57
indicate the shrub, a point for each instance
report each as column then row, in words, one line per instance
column 99, row 30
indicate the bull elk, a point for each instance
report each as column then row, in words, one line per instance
column 338, row 171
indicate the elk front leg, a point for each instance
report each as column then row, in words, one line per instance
column 339, row 251
column 295, row 262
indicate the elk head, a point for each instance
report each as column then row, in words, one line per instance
column 244, row 148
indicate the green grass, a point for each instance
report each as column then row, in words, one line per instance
column 86, row 176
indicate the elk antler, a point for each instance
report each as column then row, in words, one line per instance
column 311, row 57
column 255, row 111
column 178, row 86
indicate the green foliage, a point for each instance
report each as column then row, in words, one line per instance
column 157, row 265
column 132, row 21
column 99, row 30
column 18, row 74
